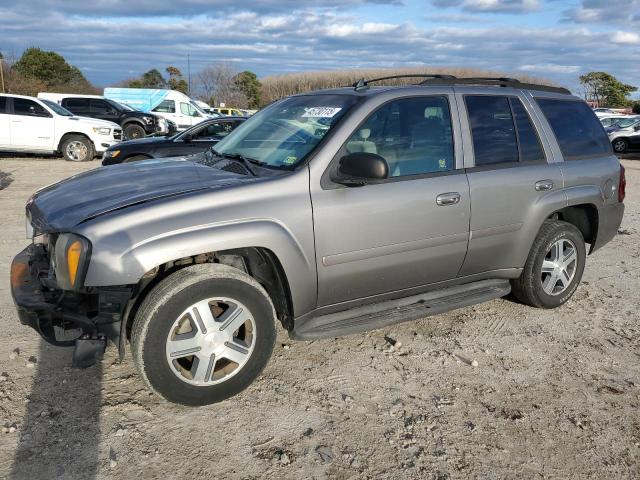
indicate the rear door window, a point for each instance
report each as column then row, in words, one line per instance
column 493, row 129
column 3, row 104
column 528, row 140
column 578, row 131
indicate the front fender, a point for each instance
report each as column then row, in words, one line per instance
column 108, row 267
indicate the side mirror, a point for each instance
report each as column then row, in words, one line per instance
column 636, row 128
column 359, row 168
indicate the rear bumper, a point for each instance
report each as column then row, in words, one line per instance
column 609, row 220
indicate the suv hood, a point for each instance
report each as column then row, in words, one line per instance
column 91, row 122
column 61, row 206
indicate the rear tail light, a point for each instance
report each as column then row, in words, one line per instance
column 622, row 186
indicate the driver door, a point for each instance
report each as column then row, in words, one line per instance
column 408, row 231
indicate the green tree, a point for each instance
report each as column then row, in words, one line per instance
column 606, row 90
column 176, row 81
column 50, row 68
column 247, row 82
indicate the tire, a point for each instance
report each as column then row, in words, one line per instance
column 166, row 323
column 620, row 145
column 536, row 287
column 133, row 131
column 76, row 148
column 135, row 158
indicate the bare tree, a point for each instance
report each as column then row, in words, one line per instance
column 216, row 84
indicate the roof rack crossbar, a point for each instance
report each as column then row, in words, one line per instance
column 363, row 83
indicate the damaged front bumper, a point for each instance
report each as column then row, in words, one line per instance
column 64, row 318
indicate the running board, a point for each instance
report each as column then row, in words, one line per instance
column 378, row 315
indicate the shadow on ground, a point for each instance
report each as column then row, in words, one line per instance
column 5, row 179
column 61, row 429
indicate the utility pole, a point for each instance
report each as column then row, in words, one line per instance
column 189, row 73
column 2, row 71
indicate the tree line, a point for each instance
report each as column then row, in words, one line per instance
column 38, row 70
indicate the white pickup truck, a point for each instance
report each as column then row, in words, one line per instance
column 32, row 125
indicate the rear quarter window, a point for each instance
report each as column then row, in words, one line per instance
column 577, row 129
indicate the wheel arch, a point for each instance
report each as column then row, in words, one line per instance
column 70, row 134
column 260, row 263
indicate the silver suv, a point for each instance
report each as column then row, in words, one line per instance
column 331, row 213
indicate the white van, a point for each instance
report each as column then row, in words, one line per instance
column 32, row 125
column 170, row 104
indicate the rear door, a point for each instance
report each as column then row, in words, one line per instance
column 5, row 135
column 32, row 126
column 509, row 179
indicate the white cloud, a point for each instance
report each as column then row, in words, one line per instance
column 626, row 38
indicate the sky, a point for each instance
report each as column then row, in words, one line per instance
column 110, row 40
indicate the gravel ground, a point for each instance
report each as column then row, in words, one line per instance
column 555, row 394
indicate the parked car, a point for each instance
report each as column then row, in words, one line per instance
column 206, row 108
column 134, row 123
column 612, row 120
column 170, row 104
column 625, row 134
column 384, row 215
column 28, row 124
column 232, row 112
column 194, row 140
column 604, row 112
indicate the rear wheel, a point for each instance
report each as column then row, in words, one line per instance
column 76, row 148
column 620, row 145
column 554, row 267
column 203, row 334
column 133, row 131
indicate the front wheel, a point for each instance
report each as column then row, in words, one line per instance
column 77, row 148
column 554, row 267
column 620, row 145
column 203, row 334
column 133, row 131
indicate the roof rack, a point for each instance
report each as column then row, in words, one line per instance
column 363, row 84
column 496, row 82
column 441, row 79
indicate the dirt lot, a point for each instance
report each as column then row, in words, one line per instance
column 556, row 394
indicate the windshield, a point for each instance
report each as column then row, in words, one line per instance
column 118, row 106
column 628, row 122
column 57, row 108
column 283, row 134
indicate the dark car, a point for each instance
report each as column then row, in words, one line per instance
column 134, row 123
column 196, row 139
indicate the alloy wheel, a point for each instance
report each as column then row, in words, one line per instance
column 559, row 267
column 211, row 341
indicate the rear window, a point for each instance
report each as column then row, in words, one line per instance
column 578, row 131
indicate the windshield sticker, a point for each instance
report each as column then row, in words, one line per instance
column 290, row 160
column 320, row 112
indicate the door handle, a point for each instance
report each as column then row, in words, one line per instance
column 450, row 198
column 544, row 185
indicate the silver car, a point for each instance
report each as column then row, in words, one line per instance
column 327, row 213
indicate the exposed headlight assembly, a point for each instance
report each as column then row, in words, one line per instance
column 148, row 120
column 102, row 130
column 71, row 260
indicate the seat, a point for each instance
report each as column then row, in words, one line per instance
column 362, row 144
